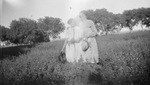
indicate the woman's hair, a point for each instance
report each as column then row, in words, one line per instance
column 82, row 15
column 70, row 21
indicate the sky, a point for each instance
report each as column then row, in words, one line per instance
column 64, row 9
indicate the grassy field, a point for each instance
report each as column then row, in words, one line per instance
column 124, row 60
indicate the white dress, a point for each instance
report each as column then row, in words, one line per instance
column 70, row 48
column 78, row 51
column 91, row 55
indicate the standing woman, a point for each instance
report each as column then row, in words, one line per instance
column 88, row 41
column 69, row 42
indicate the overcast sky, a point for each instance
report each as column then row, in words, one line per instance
column 34, row 9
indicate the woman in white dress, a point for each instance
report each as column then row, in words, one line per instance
column 88, row 34
column 69, row 43
column 73, row 50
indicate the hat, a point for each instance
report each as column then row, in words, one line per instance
column 84, row 45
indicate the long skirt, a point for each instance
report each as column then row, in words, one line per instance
column 78, row 52
column 91, row 55
column 70, row 53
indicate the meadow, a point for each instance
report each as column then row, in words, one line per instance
column 124, row 60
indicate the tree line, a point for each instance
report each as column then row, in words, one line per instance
column 26, row 30
column 108, row 21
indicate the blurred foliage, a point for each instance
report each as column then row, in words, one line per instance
column 26, row 30
column 51, row 24
column 128, row 18
column 3, row 33
column 29, row 31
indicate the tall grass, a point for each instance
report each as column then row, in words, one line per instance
column 124, row 60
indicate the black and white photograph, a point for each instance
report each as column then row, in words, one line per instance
column 74, row 42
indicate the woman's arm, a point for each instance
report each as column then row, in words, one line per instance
column 65, row 43
column 93, row 30
column 66, row 39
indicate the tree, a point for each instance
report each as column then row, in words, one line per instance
column 104, row 18
column 133, row 17
column 3, row 33
column 143, row 15
column 51, row 25
column 21, row 29
column 36, row 36
column 25, row 30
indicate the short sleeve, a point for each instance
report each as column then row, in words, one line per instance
column 92, row 26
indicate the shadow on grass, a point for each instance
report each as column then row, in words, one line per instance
column 8, row 52
column 95, row 78
column 45, row 81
